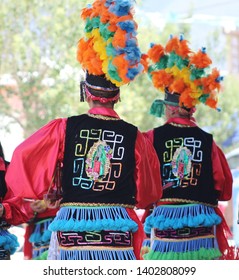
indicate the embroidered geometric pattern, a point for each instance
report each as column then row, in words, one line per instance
column 182, row 162
column 100, row 238
column 95, row 159
column 185, row 233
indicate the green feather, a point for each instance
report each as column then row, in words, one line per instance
column 157, row 108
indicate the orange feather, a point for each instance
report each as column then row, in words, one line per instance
column 177, row 86
column 155, row 53
column 161, row 79
column 172, row 45
column 200, row 59
column 122, row 66
column 88, row 58
column 119, row 40
column 86, row 12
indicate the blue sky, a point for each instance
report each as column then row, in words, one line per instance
column 212, row 7
column 207, row 16
column 206, row 12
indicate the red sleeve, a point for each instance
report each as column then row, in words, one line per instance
column 15, row 212
column 147, row 173
column 33, row 162
column 221, row 173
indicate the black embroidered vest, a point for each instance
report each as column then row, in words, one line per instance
column 99, row 161
column 186, row 165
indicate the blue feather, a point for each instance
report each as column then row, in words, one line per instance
column 120, row 7
column 127, row 26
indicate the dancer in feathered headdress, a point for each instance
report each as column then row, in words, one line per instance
column 183, row 76
column 104, row 161
column 109, row 51
column 186, row 222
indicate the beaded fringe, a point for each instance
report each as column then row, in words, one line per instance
column 40, row 254
column 92, row 219
column 8, row 241
column 97, row 255
column 41, row 232
column 179, row 216
column 196, row 249
column 202, row 254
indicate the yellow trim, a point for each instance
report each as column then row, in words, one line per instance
column 40, row 248
column 96, row 248
column 80, row 204
column 103, row 117
column 183, row 239
column 184, row 201
column 180, row 125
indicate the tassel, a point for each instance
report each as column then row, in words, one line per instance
column 157, row 108
column 95, row 219
column 36, row 235
column 8, row 241
column 40, row 253
column 41, row 232
column 202, row 254
column 164, row 217
column 199, row 249
column 42, row 256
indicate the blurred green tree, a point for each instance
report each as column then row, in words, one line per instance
column 39, row 73
column 38, row 69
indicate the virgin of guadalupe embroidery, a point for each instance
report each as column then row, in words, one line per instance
column 182, row 162
column 98, row 161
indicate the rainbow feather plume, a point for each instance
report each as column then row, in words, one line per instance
column 178, row 69
column 110, row 45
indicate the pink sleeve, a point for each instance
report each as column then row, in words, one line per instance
column 33, row 162
column 15, row 212
column 147, row 174
column 222, row 174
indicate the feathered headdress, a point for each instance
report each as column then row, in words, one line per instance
column 110, row 46
column 176, row 70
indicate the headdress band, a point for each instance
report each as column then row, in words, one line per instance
column 101, row 88
column 100, row 96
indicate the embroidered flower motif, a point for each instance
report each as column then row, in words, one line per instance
column 182, row 162
column 98, row 161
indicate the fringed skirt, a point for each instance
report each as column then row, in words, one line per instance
column 8, row 244
column 40, row 239
column 94, row 233
column 182, row 232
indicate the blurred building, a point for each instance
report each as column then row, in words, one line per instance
column 232, row 209
column 232, row 36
